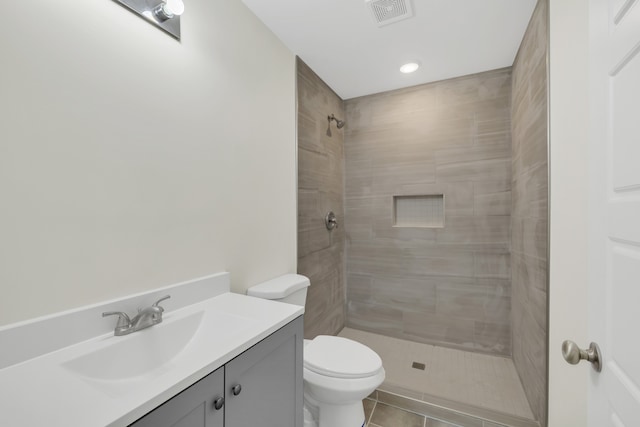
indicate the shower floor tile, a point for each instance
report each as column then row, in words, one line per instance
column 479, row 380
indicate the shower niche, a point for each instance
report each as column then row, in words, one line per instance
column 426, row 211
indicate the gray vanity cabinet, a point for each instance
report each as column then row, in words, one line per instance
column 194, row 407
column 264, row 384
column 261, row 387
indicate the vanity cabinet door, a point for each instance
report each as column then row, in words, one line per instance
column 263, row 385
column 194, row 407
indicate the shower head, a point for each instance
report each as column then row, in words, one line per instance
column 339, row 123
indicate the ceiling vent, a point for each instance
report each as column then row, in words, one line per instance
column 387, row 12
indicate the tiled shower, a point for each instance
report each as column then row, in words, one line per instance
column 446, row 284
column 472, row 150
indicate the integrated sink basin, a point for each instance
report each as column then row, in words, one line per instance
column 134, row 355
column 115, row 364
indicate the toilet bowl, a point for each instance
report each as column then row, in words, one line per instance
column 338, row 372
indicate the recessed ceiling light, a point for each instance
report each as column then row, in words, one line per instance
column 409, row 67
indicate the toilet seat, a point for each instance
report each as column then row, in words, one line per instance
column 339, row 357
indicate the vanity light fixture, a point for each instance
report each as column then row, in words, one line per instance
column 168, row 9
column 164, row 14
column 409, row 67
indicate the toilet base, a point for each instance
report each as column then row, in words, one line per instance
column 310, row 420
column 329, row 415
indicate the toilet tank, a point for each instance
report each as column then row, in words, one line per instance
column 290, row 288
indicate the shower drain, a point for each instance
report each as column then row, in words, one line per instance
column 418, row 365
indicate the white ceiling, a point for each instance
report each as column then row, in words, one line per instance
column 341, row 42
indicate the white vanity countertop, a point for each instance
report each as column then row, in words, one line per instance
column 43, row 391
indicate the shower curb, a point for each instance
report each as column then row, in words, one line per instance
column 463, row 415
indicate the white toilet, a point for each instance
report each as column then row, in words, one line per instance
column 338, row 373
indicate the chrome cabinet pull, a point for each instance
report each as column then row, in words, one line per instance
column 218, row 403
column 236, row 389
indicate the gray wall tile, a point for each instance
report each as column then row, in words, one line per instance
column 320, row 189
column 452, row 138
column 439, row 329
column 372, row 317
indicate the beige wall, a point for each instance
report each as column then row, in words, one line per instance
column 569, row 142
column 451, row 285
column 320, row 190
column 529, row 216
column 130, row 161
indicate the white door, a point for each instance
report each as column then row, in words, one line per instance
column 614, row 211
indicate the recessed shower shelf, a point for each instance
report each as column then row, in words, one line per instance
column 423, row 211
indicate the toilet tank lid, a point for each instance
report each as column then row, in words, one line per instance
column 280, row 287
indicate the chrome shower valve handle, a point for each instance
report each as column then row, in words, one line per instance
column 330, row 221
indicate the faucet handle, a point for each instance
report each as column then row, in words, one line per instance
column 123, row 320
column 155, row 304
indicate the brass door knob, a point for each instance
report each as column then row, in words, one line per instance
column 574, row 354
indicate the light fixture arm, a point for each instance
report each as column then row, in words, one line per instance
column 164, row 14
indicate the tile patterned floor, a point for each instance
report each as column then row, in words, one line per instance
column 475, row 379
column 381, row 415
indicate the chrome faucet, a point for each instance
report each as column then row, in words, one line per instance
column 146, row 317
